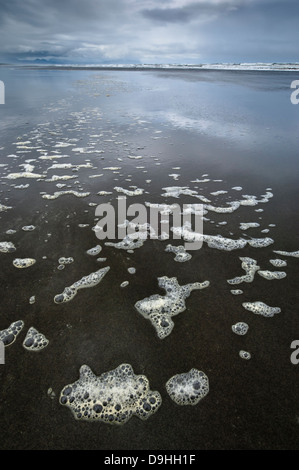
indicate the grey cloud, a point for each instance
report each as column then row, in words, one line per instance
column 190, row 11
column 171, row 15
column 93, row 31
column 55, row 13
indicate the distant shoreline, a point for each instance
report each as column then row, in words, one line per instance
column 255, row 67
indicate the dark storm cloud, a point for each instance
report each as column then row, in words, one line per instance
column 189, row 12
column 59, row 14
column 170, row 15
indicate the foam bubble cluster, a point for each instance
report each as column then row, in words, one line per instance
column 236, row 291
column 250, row 267
column 295, row 254
column 64, row 260
column 35, row 341
column 159, row 309
column 221, row 243
column 247, row 225
column 272, row 274
column 213, row 241
column 8, row 336
column 260, row 242
column 278, row 263
column 7, row 247
column 87, row 281
column 24, row 174
column 240, row 328
column 94, row 251
column 223, row 210
column 63, row 193
column 113, row 397
column 23, row 262
column 127, row 192
column 4, row 208
column 188, row 388
column 261, row 308
column 180, row 253
column 176, row 191
column 130, row 242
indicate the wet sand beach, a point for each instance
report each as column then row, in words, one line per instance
column 224, row 139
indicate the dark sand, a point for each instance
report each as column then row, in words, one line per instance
column 251, row 404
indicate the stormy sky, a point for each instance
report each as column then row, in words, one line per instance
column 149, row 31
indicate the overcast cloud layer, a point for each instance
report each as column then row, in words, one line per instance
column 149, row 31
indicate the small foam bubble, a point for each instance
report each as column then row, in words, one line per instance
column 250, row 267
column 223, row 210
column 25, row 174
column 21, row 186
column 278, row 263
column 4, row 208
column 260, row 242
column 87, row 281
column 270, row 275
column 127, row 192
column 247, row 225
column 176, row 191
column 261, row 308
column 240, row 328
column 35, row 341
column 94, row 251
column 294, row 254
column 63, row 193
column 236, row 291
column 218, row 193
column 180, row 253
column 175, row 176
column 7, row 247
column 244, row 354
column 188, row 388
column 112, row 168
column 130, row 242
column 60, row 178
column 64, row 260
column 8, row 336
column 104, row 193
column 23, row 262
column 28, row 228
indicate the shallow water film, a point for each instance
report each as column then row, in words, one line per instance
column 162, row 336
